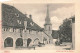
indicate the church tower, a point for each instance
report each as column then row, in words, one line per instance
column 48, row 25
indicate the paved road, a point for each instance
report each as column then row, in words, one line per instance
column 52, row 47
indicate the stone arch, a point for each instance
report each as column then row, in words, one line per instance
column 8, row 42
column 28, row 41
column 19, row 42
column 36, row 41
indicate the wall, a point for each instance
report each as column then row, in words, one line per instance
column 25, row 35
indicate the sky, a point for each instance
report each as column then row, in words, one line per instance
column 57, row 12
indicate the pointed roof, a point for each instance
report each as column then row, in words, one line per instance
column 47, row 19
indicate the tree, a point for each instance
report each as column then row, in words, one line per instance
column 66, row 31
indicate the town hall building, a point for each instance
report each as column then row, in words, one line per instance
column 20, row 31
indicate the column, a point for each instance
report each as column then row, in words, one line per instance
column 14, row 43
column 73, row 36
column 24, row 42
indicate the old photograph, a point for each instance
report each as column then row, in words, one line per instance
column 38, row 26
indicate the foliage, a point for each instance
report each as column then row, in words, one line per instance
column 65, row 32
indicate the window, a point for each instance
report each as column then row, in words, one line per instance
column 14, row 30
column 19, row 22
column 32, row 24
column 17, row 15
column 49, row 28
column 11, row 29
column 4, row 29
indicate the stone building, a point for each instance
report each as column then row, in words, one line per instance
column 19, row 30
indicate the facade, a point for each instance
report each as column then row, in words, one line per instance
column 19, row 30
column 73, row 32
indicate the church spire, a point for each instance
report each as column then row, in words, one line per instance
column 47, row 15
column 48, row 25
column 47, row 19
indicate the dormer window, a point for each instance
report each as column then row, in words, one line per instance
column 32, row 24
column 17, row 15
column 19, row 22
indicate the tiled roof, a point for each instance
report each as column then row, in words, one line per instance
column 11, row 16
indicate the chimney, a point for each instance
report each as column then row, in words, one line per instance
column 30, row 16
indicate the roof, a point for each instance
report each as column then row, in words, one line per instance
column 47, row 19
column 55, row 34
column 11, row 16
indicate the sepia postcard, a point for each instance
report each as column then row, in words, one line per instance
column 39, row 27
